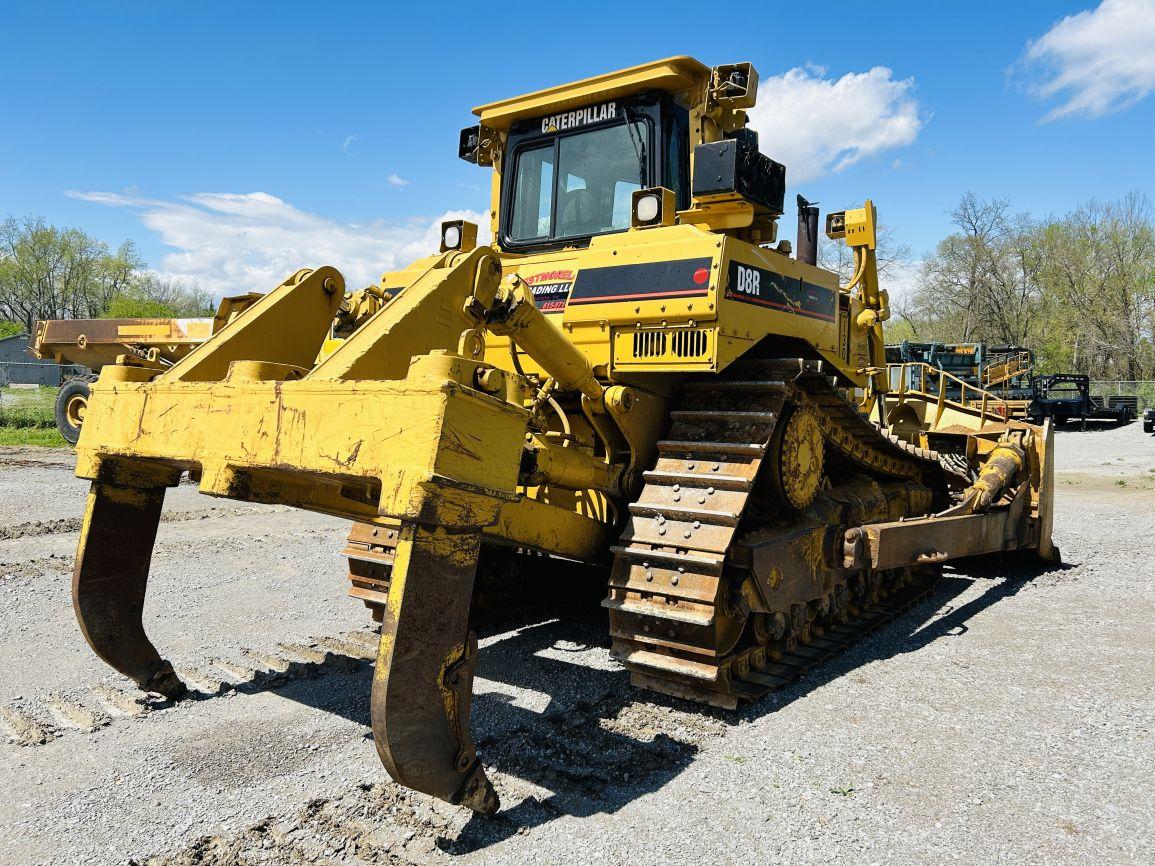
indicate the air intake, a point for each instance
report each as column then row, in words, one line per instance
column 689, row 344
column 649, row 344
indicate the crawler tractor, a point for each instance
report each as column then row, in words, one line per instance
column 636, row 373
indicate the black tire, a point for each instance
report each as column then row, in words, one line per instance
column 1148, row 426
column 71, row 401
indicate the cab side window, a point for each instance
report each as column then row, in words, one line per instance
column 676, row 171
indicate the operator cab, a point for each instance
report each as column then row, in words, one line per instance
column 572, row 175
column 575, row 162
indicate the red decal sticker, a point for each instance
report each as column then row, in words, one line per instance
column 550, row 277
column 701, row 275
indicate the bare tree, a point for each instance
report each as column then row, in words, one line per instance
column 982, row 282
column 149, row 295
column 836, row 256
column 894, row 263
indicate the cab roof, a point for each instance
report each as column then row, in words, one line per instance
column 672, row 75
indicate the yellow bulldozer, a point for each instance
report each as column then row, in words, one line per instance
column 635, row 374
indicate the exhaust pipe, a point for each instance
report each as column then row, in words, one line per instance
column 806, row 250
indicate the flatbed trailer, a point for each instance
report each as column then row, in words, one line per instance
column 1065, row 397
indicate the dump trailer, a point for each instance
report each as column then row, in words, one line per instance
column 635, row 374
column 92, row 343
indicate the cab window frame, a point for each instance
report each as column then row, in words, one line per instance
column 652, row 110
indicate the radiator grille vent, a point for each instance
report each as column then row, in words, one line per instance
column 657, row 348
column 649, row 344
column 690, row 344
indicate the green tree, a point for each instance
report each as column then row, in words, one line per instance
column 52, row 273
column 151, row 297
column 1078, row 289
column 1099, row 272
column 981, row 283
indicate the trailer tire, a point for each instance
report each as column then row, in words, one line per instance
column 71, row 404
column 1148, row 425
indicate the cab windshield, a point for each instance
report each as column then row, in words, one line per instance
column 579, row 184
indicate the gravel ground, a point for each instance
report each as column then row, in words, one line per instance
column 1005, row 720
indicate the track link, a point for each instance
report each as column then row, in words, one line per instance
column 677, row 617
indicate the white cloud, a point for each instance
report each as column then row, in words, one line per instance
column 397, row 180
column 901, row 281
column 349, row 139
column 1097, row 62
column 816, row 125
column 239, row 242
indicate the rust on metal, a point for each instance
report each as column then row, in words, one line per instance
column 423, row 681
column 110, row 579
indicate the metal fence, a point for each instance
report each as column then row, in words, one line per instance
column 28, row 392
column 1143, row 390
column 37, row 373
column 25, row 405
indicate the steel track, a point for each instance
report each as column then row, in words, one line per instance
column 674, row 618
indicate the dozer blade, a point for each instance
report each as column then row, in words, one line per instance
column 423, row 683
column 110, row 579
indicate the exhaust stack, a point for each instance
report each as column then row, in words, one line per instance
column 806, row 250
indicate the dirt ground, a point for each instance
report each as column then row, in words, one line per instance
column 1007, row 719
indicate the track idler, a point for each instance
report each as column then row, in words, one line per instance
column 110, row 578
column 423, row 683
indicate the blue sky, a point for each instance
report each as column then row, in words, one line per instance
column 159, row 121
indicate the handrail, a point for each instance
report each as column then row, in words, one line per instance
column 1006, row 366
column 936, row 385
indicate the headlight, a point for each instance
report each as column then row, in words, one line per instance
column 458, row 235
column 652, row 208
column 648, row 208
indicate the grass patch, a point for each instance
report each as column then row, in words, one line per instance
column 44, row 437
column 27, row 416
column 21, row 408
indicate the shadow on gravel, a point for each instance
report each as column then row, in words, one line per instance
column 915, row 629
column 584, row 762
column 600, row 743
column 1091, row 427
column 589, row 749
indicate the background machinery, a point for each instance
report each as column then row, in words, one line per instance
column 92, row 343
column 636, row 374
column 1001, row 371
column 1063, row 397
